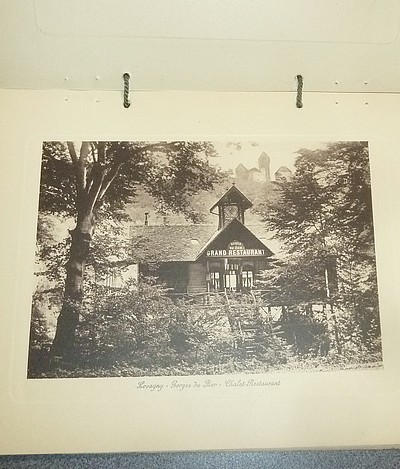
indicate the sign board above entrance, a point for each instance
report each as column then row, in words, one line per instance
column 235, row 252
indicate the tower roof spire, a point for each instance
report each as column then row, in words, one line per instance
column 233, row 197
column 231, row 205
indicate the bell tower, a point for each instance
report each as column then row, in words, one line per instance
column 231, row 205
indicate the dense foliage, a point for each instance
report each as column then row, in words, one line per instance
column 323, row 217
column 95, row 181
column 139, row 329
column 169, row 171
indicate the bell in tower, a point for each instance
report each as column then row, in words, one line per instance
column 231, row 205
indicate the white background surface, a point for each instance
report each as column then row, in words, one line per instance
column 225, row 45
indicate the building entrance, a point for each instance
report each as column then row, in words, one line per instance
column 230, row 275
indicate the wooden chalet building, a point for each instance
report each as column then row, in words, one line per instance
column 198, row 258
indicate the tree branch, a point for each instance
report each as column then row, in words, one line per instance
column 83, row 156
column 101, row 152
column 113, row 171
column 93, row 148
column 95, row 187
column 109, row 178
column 97, row 192
column 72, row 152
column 79, row 173
column 84, row 152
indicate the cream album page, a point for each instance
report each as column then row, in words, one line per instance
column 199, row 271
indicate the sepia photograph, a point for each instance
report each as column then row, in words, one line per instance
column 179, row 258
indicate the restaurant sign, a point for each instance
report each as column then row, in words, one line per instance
column 235, row 249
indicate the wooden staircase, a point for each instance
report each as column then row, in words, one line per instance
column 249, row 334
column 250, row 320
column 251, row 329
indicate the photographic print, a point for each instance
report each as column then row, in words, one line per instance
column 176, row 258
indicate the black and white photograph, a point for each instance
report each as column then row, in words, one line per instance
column 179, row 258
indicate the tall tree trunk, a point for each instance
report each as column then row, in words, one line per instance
column 64, row 340
column 91, row 187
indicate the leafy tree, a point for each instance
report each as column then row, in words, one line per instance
column 95, row 180
column 323, row 216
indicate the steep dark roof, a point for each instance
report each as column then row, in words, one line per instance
column 233, row 195
column 169, row 243
column 160, row 243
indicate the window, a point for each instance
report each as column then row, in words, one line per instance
column 215, row 281
column 247, row 279
column 231, row 212
column 231, row 281
column 111, row 279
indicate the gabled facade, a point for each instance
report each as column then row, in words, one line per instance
column 200, row 259
column 230, row 206
column 233, row 257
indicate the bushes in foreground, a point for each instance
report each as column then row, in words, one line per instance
column 140, row 331
column 141, row 328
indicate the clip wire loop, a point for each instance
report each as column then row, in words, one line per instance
column 126, row 78
column 299, row 97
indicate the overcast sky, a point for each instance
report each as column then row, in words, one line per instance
column 281, row 153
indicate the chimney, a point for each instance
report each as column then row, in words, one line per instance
column 146, row 218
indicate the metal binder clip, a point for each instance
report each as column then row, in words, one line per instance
column 299, row 97
column 126, row 78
